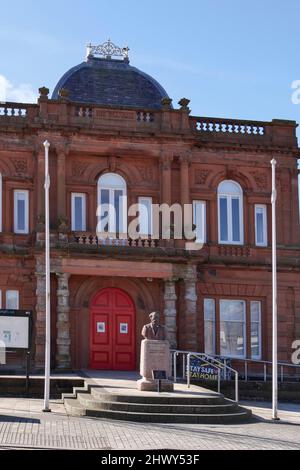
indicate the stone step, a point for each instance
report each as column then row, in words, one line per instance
column 99, row 393
column 87, row 401
column 73, row 407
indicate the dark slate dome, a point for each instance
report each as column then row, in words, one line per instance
column 107, row 81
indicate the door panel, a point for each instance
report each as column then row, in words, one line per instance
column 112, row 331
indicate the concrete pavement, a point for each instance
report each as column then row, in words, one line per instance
column 23, row 424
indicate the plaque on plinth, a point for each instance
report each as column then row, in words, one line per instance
column 155, row 355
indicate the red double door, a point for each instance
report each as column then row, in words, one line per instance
column 112, row 331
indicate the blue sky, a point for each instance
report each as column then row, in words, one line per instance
column 230, row 58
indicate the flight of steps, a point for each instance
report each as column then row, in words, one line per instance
column 95, row 401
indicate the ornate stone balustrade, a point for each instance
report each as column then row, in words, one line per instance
column 92, row 112
column 142, row 116
column 228, row 126
column 66, row 113
column 13, row 110
column 89, row 239
column 84, row 111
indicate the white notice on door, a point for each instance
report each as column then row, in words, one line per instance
column 100, row 327
column 124, row 328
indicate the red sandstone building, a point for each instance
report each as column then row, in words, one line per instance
column 113, row 132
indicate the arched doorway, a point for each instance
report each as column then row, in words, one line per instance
column 112, row 330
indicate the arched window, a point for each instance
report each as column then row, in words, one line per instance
column 230, row 210
column 112, row 204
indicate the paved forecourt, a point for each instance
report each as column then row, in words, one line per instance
column 23, row 424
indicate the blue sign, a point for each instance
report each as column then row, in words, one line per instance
column 199, row 370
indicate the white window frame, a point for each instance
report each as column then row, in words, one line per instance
column 235, row 321
column 256, row 356
column 202, row 237
column 25, row 194
column 213, row 321
column 112, row 188
column 17, row 297
column 148, row 199
column 229, row 197
column 262, row 207
column 83, row 211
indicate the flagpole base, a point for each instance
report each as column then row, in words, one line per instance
column 46, row 410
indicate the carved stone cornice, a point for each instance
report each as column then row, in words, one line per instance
column 238, row 147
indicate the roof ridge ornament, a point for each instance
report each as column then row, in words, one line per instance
column 107, row 50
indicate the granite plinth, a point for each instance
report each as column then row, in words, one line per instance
column 155, row 355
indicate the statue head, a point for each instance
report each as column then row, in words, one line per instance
column 154, row 318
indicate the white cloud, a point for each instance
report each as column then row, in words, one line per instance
column 22, row 93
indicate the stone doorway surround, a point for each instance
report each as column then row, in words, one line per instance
column 169, row 273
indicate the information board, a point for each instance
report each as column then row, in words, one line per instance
column 15, row 328
column 159, row 374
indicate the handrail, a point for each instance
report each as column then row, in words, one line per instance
column 245, row 361
column 207, row 360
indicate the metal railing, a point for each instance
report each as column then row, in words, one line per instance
column 246, row 362
column 205, row 360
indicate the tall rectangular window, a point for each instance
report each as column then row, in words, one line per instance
column 255, row 313
column 145, row 216
column 78, row 202
column 223, row 220
column 232, row 328
column 235, row 219
column 12, row 299
column 21, row 211
column 209, row 326
column 261, row 238
column 199, row 219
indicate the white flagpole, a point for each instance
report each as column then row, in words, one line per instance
column 274, row 298
column 47, row 263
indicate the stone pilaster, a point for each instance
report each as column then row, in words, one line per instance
column 40, row 323
column 61, row 193
column 40, row 207
column 166, row 163
column 40, row 156
column 61, row 183
column 170, row 312
column 63, row 340
column 184, row 179
column 190, row 303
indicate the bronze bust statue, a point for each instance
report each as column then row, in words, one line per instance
column 154, row 330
